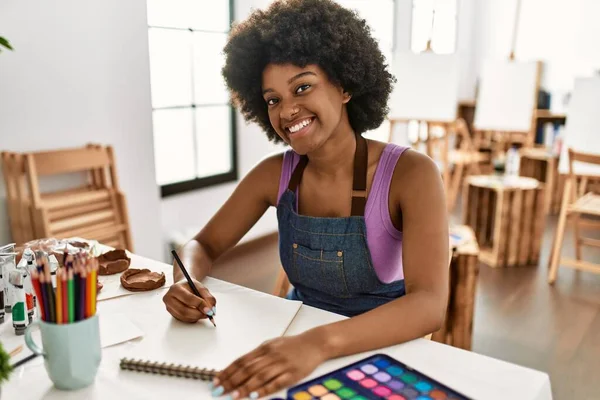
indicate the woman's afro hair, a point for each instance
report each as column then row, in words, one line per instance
column 303, row 32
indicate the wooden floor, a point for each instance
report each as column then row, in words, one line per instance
column 518, row 316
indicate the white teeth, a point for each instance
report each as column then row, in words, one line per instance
column 299, row 126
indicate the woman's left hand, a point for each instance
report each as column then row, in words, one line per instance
column 271, row 367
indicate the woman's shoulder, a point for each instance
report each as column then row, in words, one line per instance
column 383, row 152
column 274, row 172
column 414, row 171
column 271, row 164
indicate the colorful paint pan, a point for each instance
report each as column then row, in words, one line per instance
column 369, row 369
column 318, row 390
column 368, row 383
column 382, row 376
column 355, row 375
column 378, row 377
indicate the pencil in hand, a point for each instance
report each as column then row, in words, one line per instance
column 190, row 282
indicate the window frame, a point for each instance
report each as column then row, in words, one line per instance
column 175, row 188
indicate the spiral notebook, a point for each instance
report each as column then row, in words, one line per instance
column 244, row 318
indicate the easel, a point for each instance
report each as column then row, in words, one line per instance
column 499, row 140
column 433, row 104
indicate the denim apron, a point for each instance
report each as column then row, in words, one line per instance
column 327, row 260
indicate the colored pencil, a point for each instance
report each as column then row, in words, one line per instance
column 190, row 282
column 94, row 280
column 59, row 296
column 82, row 294
column 65, row 294
column 88, row 291
column 38, row 292
column 44, row 299
column 71, row 296
column 77, row 291
column 49, row 291
column 23, row 361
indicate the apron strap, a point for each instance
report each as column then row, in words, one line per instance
column 359, row 184
column 297, row 174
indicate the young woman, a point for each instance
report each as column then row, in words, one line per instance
column 362, row 224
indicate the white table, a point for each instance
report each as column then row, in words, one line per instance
column 474, row 375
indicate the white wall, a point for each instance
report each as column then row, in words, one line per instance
column 465, row 41
column 563, row 34
column 79, row 74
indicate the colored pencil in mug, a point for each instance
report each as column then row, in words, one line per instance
column 93, row 279
column 77, row 290
column 44, row 299
column 38, row 292
column 82, row 294
column 71, row 296
column 59, row 297
column 49, row 290
column 65, row 293
column 88, row 292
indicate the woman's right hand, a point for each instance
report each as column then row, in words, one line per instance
column 185, row 306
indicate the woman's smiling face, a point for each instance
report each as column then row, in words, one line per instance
column 305, row 108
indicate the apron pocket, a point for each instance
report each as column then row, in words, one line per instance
column 320, row 270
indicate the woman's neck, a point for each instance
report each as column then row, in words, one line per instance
column 336, row 157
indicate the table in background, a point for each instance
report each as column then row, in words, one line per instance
column 540, row 164
column 457, row 329
column 507, row 216
column 475, row 375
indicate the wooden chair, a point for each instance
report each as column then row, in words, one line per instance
column 12, row 203
column 575, row 203
column 462, row 161
column 282, row 285
column 96, row 210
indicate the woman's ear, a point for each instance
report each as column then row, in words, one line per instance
column 346, row 97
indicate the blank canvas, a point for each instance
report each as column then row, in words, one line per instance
column 507, row 96
column 582, row 129
column 426, row 87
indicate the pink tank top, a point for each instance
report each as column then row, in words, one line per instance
column 383, row 239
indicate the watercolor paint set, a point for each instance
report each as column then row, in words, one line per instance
column 378, row 377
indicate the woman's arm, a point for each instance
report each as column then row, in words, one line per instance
column 418, row 193
column 254, row 194
column 249, row 201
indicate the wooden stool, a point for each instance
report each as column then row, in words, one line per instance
column 507, row 216
column 457, row 329
column 542, row 165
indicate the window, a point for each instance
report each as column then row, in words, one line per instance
column 435, row 20
column 193, row 121
column 379, row 15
